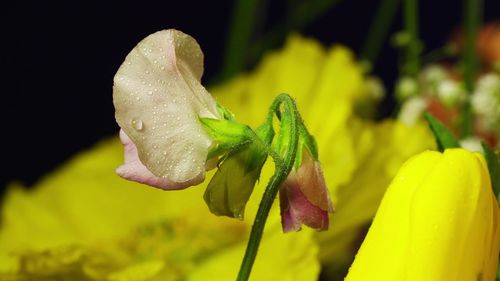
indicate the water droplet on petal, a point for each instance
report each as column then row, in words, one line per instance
column 137, row 124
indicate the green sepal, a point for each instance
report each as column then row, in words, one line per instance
column 284, row 134
column 226, row 113
column 230, row 188
column 306, row 141
column 493, row 167
column 228, row 135
column 444, row 138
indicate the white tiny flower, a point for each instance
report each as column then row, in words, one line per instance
column 450, row 92
column 485, row 102
column 406, row 87
column 472, row 144
column 412, row 110
column 158, row 98
column 433, row 74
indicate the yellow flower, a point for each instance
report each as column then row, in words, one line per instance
column 439, row 220
column 83, row 222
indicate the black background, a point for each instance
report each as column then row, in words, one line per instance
column 58, row 62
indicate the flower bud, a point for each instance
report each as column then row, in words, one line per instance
column 438, row 220
column 304, row 198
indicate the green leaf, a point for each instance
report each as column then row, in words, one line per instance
column 230, row 188
column 493, row 167
column 444, row 138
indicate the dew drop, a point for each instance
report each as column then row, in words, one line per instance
column 137, row 124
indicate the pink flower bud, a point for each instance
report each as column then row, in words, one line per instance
column 304, row 198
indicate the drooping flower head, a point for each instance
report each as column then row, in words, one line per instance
column 158, row 99
column 304, row 197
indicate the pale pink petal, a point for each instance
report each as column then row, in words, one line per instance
column 312, row 182
column 158, row 99
column 134, row 170
column 296, row 209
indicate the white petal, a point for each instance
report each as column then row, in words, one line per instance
column 158, row 97
column 134, row 170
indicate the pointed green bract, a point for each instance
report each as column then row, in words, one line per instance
column 444, row 138
column 493, row 168
column 230, row 188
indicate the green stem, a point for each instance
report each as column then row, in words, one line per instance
column 301, row 14
column 411, row 28
column 378, row 30
column 472, row 18
column 280, row 174
column 241, row 29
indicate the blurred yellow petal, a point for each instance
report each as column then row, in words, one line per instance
column 83, row 222
column 295, row 266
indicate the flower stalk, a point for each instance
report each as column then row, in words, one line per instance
column 283, row 166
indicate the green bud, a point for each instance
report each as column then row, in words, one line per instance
column 284, row 134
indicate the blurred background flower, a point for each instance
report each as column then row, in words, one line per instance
column 84, row 223
column 360, row 99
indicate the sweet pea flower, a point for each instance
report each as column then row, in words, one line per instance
column 438, row 220
column 158, row 100
column 304, row 198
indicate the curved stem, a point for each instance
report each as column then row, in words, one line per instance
column 280, row 174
